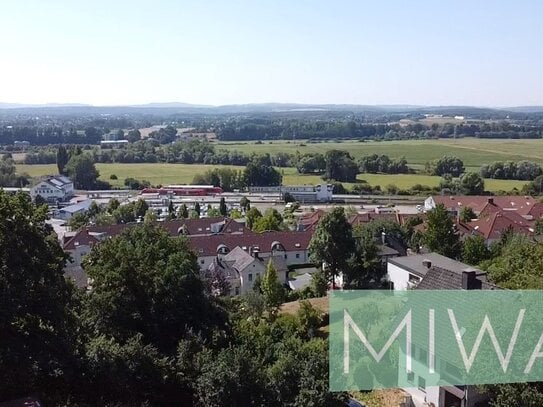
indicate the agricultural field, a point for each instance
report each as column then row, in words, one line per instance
column 473, row 152
column 163, row 174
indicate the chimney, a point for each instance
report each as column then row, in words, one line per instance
column 427, row 263
column 469, row 280
column 490, row 201
column 254, row 251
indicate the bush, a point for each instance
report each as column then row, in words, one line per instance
column 113, row 176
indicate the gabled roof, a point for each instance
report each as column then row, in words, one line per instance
column 438, row 278
column 220, row 266
column 192, row 227
column 81, row 238
column 523, row 205
column 494, row 225
column 291, row 241
column 239, row 259
column 310, row 221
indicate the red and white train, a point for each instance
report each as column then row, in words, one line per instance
column 184, row 190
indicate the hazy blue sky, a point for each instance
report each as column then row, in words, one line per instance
column 473, row 52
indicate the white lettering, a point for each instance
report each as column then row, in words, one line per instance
column 349, row 323
column 486, row 327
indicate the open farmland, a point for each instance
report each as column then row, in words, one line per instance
column 473, row 152
column 163, row 174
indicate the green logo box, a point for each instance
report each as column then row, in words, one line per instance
column 383, row 339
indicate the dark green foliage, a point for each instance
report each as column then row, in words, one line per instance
column 518, row 265
column 365, row 269
column 82, row 171
column 474, row 250
column 310, row 163
column 271, row 220
column 145, row 282
column 223, row 210
column 62, row 159
column 135, row 184
column 446, row 165
column 183, row 212
column 251, row 217
column 539, row 226
column 471, row 183
column 340, row 166
column 535, row 187
column 374, row 164
column 260, row 172
column 8, row 175
column 332, row 243
column 245, row 203
column 226, row 178
column 522, row 170
column 467, row 214
column 441, row 236
column 36, row 317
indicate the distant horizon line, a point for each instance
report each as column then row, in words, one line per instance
column 10, row 105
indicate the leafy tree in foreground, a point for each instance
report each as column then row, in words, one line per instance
column 440, row 235
column 474, row 250
column 332, row 243
column 35, row 305
column 364, row 270
column 145, row 282
column 273, row 291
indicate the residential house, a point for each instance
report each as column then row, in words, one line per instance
column 439, row 278
column 78, row 244
column 526, row 206
column 292, row 246
column 241, row 267
column 57, row 188
column 407, row 272
column 492, row 226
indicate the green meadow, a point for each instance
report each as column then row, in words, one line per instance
column 163, row 174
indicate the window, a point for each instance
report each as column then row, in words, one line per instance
column 202, row 261
column 422, row 383
column 285, row 256
column 250, row 277
column 297, row 255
